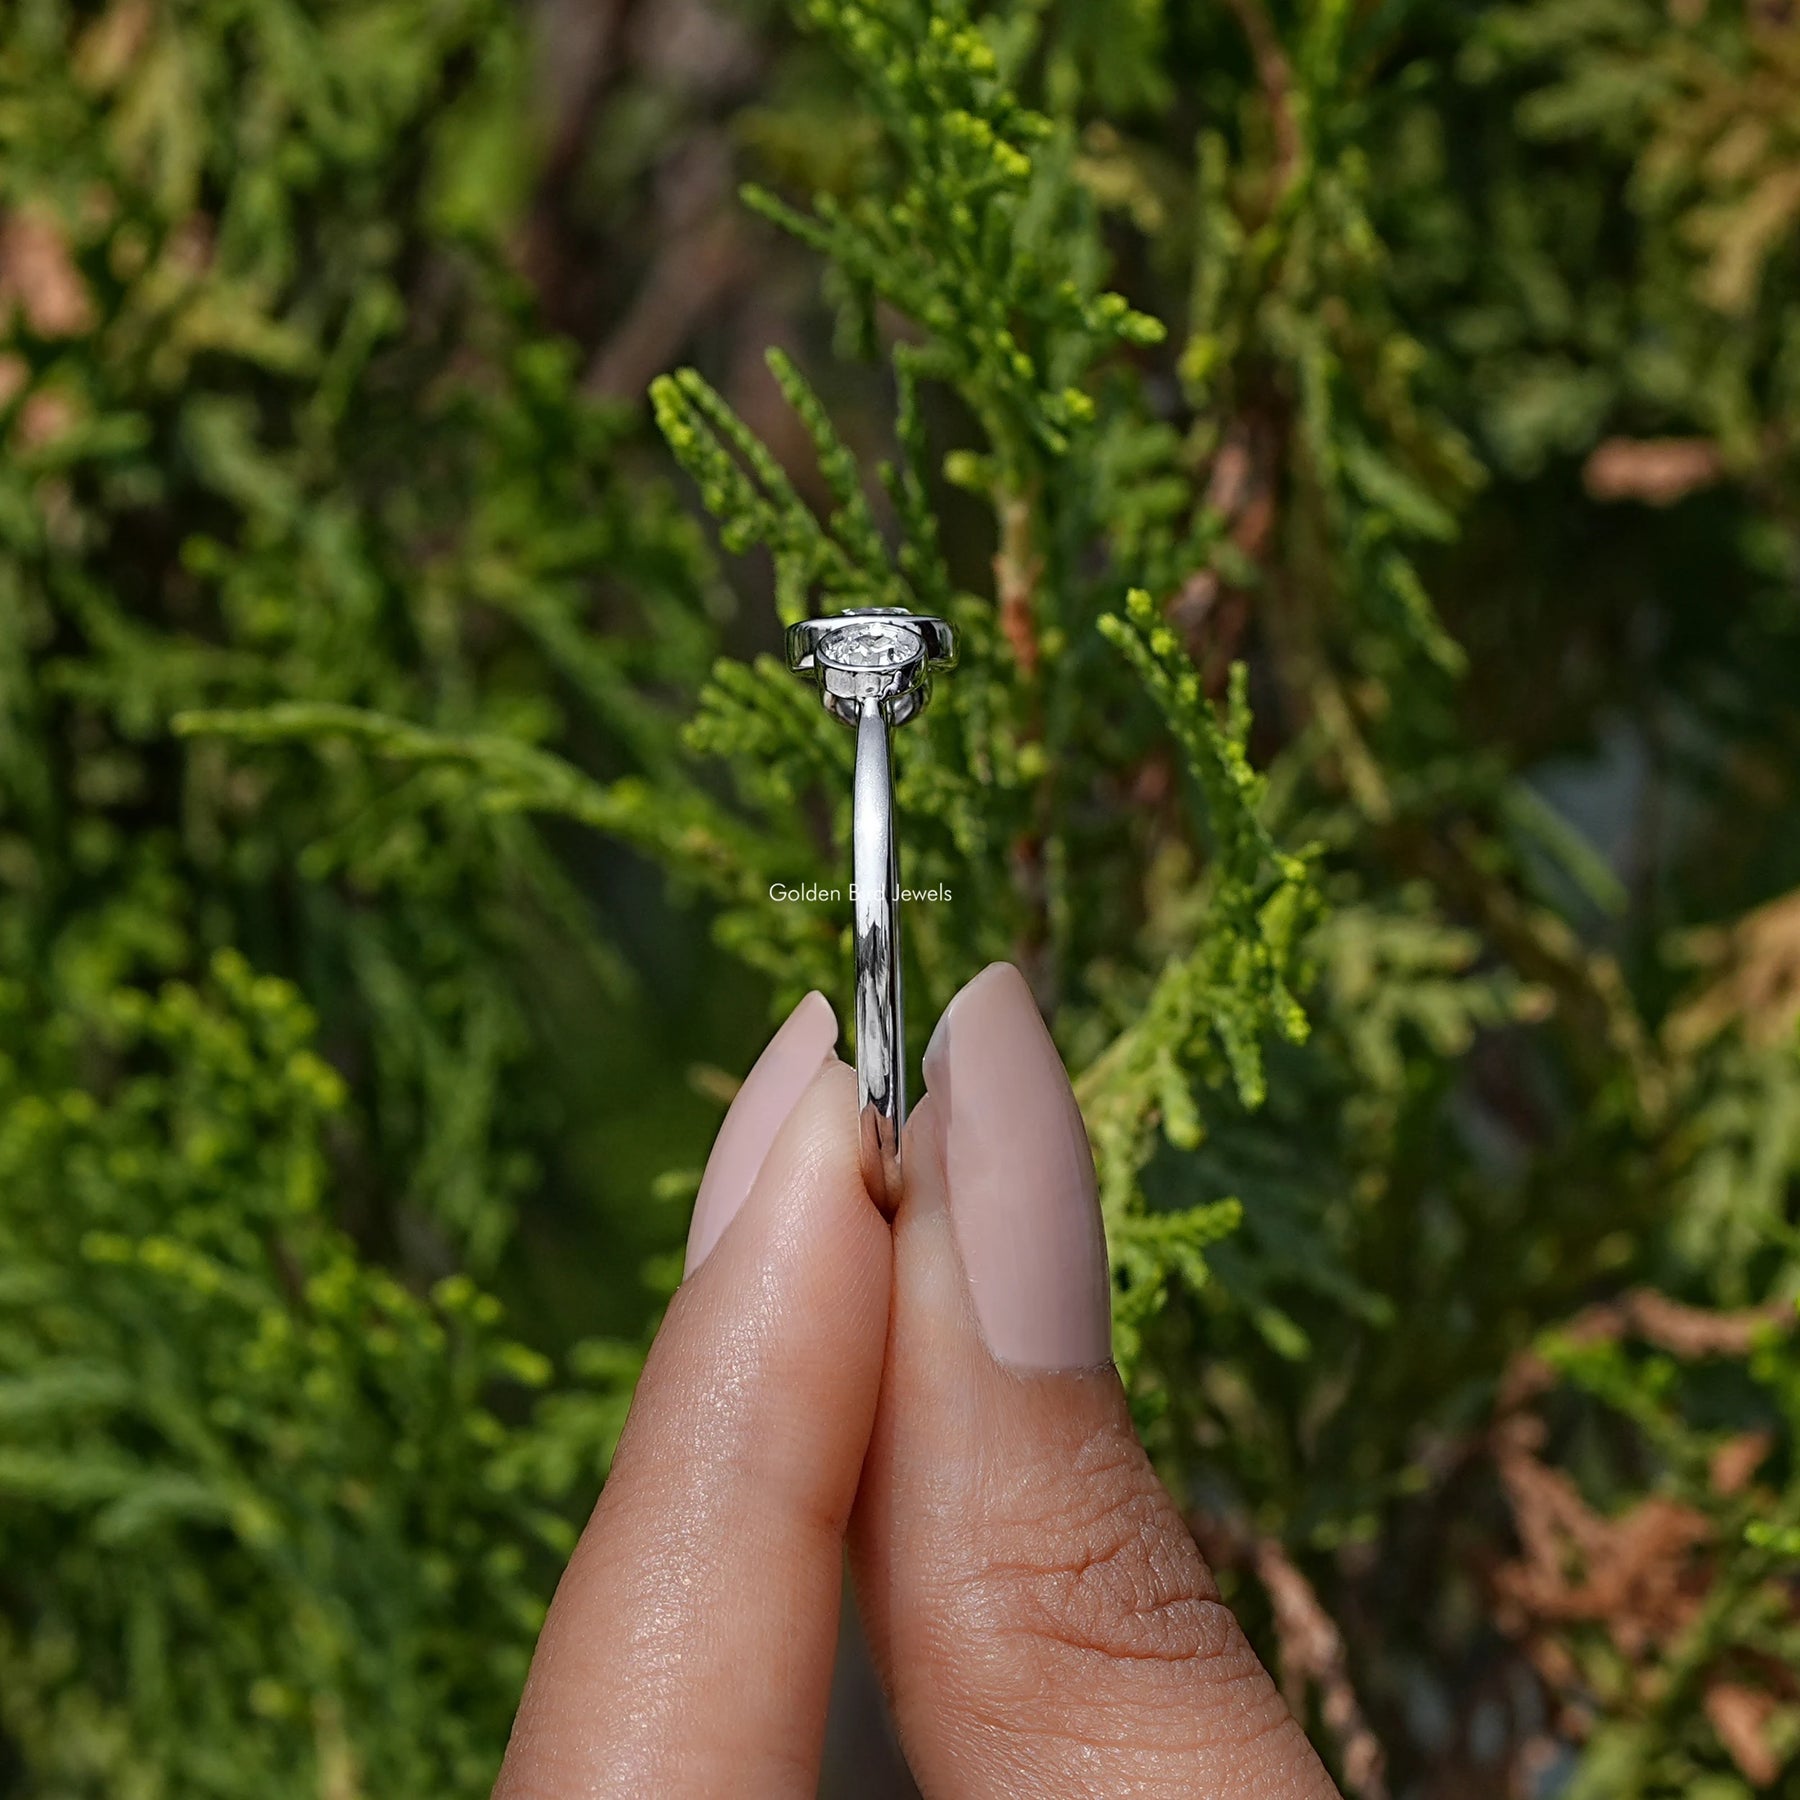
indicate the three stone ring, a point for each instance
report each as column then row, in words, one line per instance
column 873, row 667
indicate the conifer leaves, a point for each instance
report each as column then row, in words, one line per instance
column 1397, row 976
column 199, row 1372
column 1148, row 1250
column 959, row 244
column 746, row 489
column 507, row 774
column 1211, row 1009
column 1262, row 896
column 1294, row 328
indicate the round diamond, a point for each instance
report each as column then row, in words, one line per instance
column 870, row 644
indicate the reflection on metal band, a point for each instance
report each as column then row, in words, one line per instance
column 873, row 667
column 880, row 1047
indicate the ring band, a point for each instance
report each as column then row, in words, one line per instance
column 880, row 1003
column 873, row 667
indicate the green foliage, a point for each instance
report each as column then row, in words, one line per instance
column 280, row 435
column 963, row 233
column 1356, row 449
column 205, row 510
column 263, row 1525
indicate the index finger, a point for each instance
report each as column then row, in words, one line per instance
column 689, row 1647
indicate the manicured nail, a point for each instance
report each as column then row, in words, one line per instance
column 1020, row 1178
column 784, row 1071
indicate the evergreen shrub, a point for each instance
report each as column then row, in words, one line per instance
column 1357, row 445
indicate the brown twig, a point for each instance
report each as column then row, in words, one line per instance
column 683, row 48
column 1656, row 471
column 1643, row 1313
column 1310, row 1646
column 580, row 56
column 582, row 37
column 1017, row 571
column 691, row 278
column 1211, row 616
column 39, row 279
column 1276, row 76
column 1018, row 576
column 1646, row 1576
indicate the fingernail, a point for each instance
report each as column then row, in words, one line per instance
column 1020, row 1178
column 784, row 1071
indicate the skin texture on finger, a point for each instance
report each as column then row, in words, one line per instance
column 1041, row 1617
column 689, row 1649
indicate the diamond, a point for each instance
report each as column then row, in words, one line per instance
column 870, row 644
column 872, row 656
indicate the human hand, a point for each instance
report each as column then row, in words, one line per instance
column 938, row 1396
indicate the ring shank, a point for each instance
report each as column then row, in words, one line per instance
column 875, row 871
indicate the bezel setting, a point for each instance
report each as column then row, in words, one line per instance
column 881, row 653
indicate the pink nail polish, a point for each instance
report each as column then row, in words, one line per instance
column 1020, row 1177
column 784, row 1071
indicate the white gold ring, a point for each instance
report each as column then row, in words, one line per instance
column 873, row 667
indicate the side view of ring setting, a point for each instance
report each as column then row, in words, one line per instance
column 873, row 668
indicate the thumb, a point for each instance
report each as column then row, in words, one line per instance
column 1043, row 1619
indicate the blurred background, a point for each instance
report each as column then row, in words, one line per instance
column 390, row 788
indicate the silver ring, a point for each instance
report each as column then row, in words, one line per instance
column 873, row 667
